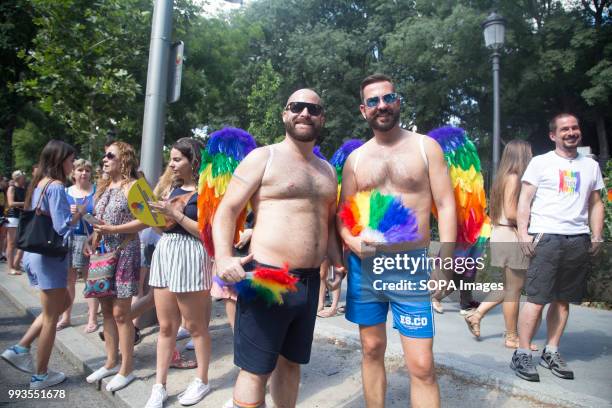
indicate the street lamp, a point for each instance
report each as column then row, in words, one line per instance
column 494, row 29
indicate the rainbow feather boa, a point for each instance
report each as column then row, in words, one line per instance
column 379, row 218
column 269, row 284
column 224, row 151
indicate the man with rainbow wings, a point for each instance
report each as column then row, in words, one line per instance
column 389, row 186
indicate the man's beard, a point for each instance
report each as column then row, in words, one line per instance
column 303, row 135
column 395, row 116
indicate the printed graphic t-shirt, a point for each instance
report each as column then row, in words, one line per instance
column 561, row 202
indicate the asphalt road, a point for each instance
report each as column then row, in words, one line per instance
column 76, row 391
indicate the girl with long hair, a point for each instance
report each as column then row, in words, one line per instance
column 118, row 232
column 81, row 198
column 505, row 252
column 181, row 275
column 48, row 274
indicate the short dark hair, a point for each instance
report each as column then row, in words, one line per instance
column 371, row 79
column 552, row 125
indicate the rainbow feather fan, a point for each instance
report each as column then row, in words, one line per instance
column 269, row 284
column 379, row 218
column 467, row 181
column 224, row 151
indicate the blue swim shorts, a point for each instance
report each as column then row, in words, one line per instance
column 367, row 303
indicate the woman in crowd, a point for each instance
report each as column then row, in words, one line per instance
column 81, row 198
column 3, row 221
column 181, row 275
column 118, row 232
column 16, row 195
column 49, row 274
column 505, row 251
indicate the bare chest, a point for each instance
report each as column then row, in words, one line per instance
column 392, row 172
column 289, row 181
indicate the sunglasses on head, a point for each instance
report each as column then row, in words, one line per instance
column 298, row 107
column 375, row 100
column 109, row 156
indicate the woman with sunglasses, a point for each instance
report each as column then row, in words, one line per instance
column 49, row 274
column 181, row 275
column 118, row 231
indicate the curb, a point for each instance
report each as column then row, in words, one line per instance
column 86, row 356
column 77, row 349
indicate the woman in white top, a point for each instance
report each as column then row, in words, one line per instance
column 505, row 251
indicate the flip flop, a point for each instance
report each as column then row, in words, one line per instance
column 325, row 313
column 62, row 325
column 90, row 328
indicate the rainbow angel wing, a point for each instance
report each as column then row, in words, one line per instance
column 340, row 156
column 380, row 218
column 473, row 223
column 224, row 151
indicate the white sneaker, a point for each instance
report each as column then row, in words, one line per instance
column 118, row 382
column 21, row 361
column 158, row 396
column 53, row 378
column 101, row 373
column 194, row 392
column 182, row 333
column 189, row 345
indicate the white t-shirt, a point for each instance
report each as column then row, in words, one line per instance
column 561, row 202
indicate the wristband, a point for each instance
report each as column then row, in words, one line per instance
column 597, row 239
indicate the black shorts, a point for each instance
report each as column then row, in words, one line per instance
column 263, row 332
column 559, row 269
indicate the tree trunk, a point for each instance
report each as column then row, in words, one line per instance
column 604, row 149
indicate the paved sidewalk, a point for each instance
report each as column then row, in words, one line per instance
column 477, row 371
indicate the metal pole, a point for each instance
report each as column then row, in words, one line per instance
column 157, row 87
column 496, row 136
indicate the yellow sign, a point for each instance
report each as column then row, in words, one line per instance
column 138, row 200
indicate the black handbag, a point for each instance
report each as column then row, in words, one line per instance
column 35, row 232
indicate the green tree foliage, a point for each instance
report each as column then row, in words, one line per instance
column 16, row 33
column 264, row 122
column 86, row 65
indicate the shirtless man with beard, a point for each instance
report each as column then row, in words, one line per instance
column 398, row 162
column 293, row 194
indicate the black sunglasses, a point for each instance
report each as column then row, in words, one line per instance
column 298, row 107
column 109, row 156
column 375, row 100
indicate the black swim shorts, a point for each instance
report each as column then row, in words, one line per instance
column 263, row 332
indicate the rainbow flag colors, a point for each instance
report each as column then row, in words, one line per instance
column 224, row 151
column 468, row 183
column 379, row 218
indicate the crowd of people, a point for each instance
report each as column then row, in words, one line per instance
column 547, row 221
